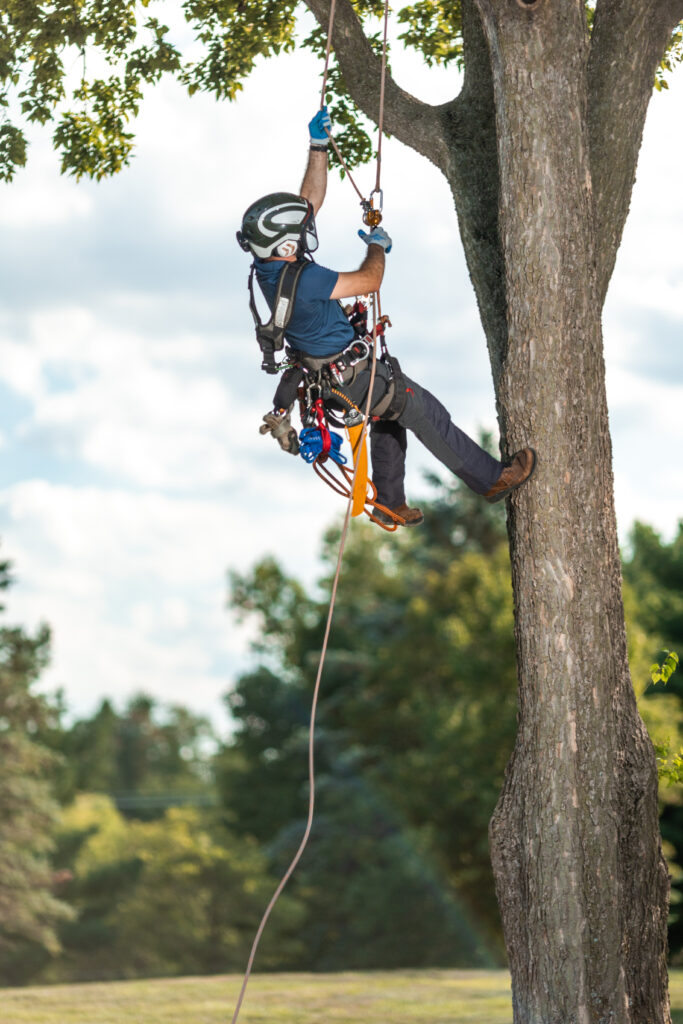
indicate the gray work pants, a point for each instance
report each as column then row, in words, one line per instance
column 431, row 423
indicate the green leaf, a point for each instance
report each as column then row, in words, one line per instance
column 12, row 150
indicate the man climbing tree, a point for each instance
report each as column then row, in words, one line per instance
column 279, row 231
column 540, row 150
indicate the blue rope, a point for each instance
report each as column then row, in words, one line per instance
column 311, row 442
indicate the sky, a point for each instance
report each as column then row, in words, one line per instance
column 132, row 472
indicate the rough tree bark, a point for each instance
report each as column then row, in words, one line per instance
column 540, row 151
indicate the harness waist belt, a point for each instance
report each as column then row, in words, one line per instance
column 343, row 366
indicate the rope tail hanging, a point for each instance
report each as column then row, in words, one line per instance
column 342, row 543
column 316, row 690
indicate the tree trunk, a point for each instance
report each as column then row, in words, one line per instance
column 581, row 881
column 540, row 150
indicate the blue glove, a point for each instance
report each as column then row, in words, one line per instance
column 377, row 236
column 317, row 126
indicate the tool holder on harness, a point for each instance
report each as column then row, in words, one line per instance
column 271, row 335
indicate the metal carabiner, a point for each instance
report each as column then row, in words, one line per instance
column 381, row 198
column 360, row 350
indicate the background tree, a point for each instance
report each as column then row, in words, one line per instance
column 177, row 895
column 540, row 150
column 29, row 908
column 415, row 725
column 147, row 756
column 428, row 668
column 420, row 664
column 653, row 573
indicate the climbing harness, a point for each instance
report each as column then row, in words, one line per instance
column 321, row 383
column 357, row 495
column 327, row 379
column 271, row 335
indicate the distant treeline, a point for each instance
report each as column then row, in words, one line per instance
column 137, row 842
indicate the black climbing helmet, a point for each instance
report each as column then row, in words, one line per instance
column 280, row 224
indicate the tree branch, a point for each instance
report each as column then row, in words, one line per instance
column 628, row 42
column 415, row 123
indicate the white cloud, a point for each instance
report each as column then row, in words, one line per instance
column 145, row 413
column 134, row 584
column 42, row 199
column 21, row 369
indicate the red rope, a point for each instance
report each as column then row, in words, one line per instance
column 322, row 427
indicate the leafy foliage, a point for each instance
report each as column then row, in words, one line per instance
column 669, row 764
column 654, row 574
column 662, row 673
column 672, row 57
column 146, row 756
column 179, row 895
column 42, row 43
column 421, row 664
column 434, row 29
column 39, row 44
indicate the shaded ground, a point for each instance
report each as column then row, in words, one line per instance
column 383, row 997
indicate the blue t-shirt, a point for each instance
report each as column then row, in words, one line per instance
column 318, row 325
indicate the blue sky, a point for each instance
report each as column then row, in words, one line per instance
column 132, row 473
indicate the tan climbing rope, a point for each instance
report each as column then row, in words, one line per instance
column 342, row 542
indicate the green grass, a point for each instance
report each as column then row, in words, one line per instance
column 382, row 997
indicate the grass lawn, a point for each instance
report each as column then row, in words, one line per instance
column 382, row 997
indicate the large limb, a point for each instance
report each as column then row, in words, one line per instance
column 629, row 39
column 417, row 124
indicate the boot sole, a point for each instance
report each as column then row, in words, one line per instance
column 388, row 522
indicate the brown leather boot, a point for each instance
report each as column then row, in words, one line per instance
column 410, row 516
column 519, row 470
